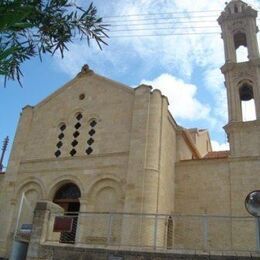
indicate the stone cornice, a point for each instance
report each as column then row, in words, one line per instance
column 229, row 66
column 69, row 158
column 240, row 125
column 230, row 159
column 249, row 12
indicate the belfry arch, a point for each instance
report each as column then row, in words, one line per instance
column 241, row 48
column 247, row 102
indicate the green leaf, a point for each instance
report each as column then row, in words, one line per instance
column 5, row 53
column 15, row 17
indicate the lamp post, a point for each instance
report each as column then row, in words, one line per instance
column 252, row 204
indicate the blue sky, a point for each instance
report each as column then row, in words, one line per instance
column 184, row 67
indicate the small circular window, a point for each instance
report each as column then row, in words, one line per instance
column 81, row 96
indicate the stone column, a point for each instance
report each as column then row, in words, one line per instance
column 230, row 52
column 136, row 165
column 257, row 92
column 253, row 52
column 82, row 222
column 42, row 213
column 150, row 183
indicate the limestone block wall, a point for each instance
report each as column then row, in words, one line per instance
column 183, row 151
column 131, row 168
column 102, row 186
column 2, row 205
column 150, row 173
column 168, row 159
column 244, row 137
column 8, row 200
column 106, row 101
column 217, row 188
column 244, row 177
column 202, row 187
column 202, row 142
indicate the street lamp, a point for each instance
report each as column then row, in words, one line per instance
column 252, row 204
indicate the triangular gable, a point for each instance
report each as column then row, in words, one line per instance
column 85, row 73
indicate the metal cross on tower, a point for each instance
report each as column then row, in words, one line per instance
column 4, row 147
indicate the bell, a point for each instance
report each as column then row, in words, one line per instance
column 246, row 93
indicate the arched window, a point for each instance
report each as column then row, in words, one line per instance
column 246, row 95
column 76, row 133
column 240, row 42
column 68, row 198
column 61, row 135
column 91, row 133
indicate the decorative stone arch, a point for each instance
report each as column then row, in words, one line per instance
column 240, row 41
column 240, row 38
column 246, row 89
column 74, row 112
column 105, row 182
column 60, row 181
column 29, row 184
column 57, row 123
column 67, row 195
column 93, row 116
column 246, row 96
column 26, row 196
column 99, row 182
column 237, row 27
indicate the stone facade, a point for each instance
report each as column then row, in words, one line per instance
column 124, row 151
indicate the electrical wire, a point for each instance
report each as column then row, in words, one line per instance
column 165, row 28
column 162, row 34
column 166, row 13
column 163, row 18
column 153, row 23
column 177, row 22
column 191, row 17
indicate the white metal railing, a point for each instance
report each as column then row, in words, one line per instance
column 158, row 231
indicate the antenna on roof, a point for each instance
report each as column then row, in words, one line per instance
column 4, row 147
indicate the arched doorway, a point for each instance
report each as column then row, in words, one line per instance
column 169, row 232
column 68, row 198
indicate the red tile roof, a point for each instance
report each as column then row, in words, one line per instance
column 216, row 155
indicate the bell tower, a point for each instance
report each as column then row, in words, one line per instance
column 242, row 79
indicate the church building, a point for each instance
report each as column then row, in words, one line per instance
column 98, row 165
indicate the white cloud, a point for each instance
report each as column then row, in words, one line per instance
column 182, row 55
column 214, row 81
column 216, row 146
column 181, row 96
column 178, row 53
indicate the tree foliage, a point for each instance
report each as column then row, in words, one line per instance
column 33, row 27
